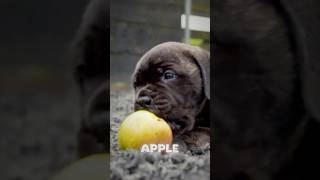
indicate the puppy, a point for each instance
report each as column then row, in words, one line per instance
column 172, row 80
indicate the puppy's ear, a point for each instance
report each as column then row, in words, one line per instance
column 202, row 59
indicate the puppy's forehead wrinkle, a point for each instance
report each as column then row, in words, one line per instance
column 164, row 61
column 192, row 68
column 166, row 51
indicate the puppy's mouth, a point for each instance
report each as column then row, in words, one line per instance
column 164, row 109
column 161, row 108
column 156, row 103
column 177, row 127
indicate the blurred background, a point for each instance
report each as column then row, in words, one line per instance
column 39, row 98
column 138, row 25
column 39, row 106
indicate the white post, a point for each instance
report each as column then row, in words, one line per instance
column 188, row 4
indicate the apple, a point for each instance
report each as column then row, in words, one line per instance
column 143, row 127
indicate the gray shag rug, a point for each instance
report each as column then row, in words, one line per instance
column 189, row 164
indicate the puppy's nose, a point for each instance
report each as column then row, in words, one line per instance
column 143, row 100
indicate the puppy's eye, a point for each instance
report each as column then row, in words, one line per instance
column 169, row 74
column 135, row 84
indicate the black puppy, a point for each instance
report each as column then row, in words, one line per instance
column 172, row 80
column 265, row 89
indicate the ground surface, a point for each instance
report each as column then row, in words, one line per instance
column 38, row 134
column 132, row 165
column 38, row 138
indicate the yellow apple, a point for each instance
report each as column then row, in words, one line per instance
column 143, row 127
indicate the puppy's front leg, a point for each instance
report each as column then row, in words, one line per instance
column 198, row 138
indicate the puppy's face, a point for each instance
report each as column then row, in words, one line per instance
column 168, row 83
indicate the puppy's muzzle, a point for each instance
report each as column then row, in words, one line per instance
column 144, row 101
column 153, row 102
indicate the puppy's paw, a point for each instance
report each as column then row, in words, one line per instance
column 197, row 140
